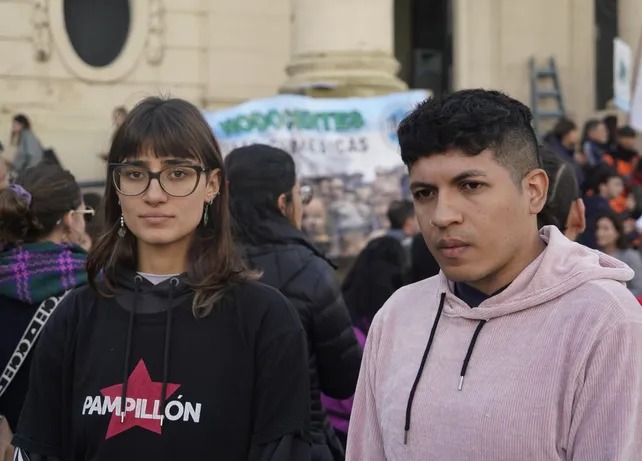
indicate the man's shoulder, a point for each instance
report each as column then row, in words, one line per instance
column 411, row 301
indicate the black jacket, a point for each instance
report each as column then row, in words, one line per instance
column 232, row 385
column 295, row 267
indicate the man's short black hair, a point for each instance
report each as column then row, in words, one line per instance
column 399, row 211
column 473, row 121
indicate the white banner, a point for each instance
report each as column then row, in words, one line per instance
column 622, row 74
column 326, row 137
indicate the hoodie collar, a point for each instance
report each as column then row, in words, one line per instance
column 561, row 267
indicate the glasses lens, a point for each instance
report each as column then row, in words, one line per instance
column 306, row 194
column 131, row 180
column 179, row 181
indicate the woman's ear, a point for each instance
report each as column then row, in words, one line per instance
column 213, row 185
column 282, row 203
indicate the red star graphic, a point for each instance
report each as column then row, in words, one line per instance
column 139, row 386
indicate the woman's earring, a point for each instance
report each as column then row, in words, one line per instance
column 206, row 216
column 123, row 230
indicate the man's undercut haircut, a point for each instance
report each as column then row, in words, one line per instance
column 472, row 121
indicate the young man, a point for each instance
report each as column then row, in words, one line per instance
column 526, row 345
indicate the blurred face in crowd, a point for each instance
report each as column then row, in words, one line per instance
column 571, row 139
column 315, row 219
column 477, row 222
column 606, row 234
column 628, row 142
column 16, row 127
column 614, row 187
column 599, row 134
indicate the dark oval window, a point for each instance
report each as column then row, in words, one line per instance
column 97, row 29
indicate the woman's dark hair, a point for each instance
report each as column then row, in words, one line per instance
column 53, row 192
column 472, row 121
column 563, row 190
column 171, row 128
column 94, row 227
column 563, row 127
column 589, row 126
column 621, row 242
column 258, row 175
column 22, row 120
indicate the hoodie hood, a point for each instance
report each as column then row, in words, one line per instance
column 33, row 272
column 562, row 266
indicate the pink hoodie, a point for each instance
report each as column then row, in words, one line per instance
column 554, row 374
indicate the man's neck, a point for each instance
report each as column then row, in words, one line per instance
column 511, row 271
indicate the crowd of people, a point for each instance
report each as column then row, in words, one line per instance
column 192, row 309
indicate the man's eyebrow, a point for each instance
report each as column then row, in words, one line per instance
column 460, row 177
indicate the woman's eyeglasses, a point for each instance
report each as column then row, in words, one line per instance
column 176, row 180
column 88, row 213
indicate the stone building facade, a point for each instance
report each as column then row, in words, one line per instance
column 217, row 53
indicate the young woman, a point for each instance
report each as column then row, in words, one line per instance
column 174, row 351
column 42, row 222
column 267, row 206
column 611, row 239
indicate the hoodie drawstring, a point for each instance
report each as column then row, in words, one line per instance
column 471, row 346
column 128, row 347
column 464, row 367
column 173, row 283
column 421, row 367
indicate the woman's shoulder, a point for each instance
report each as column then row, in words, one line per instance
column 265, row 306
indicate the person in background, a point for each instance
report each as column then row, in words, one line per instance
column 4, row 174
column 42, row 221
column 611, row 124
column 603, row 186
column 173, row 351
column 595, row 145
column 94, row 224
column 266, row 203
column 611, row 239
column 625, row 157
column 28, row 150
column 514, row 312
column 564, row 207
column 564, row 140
column 119, row 115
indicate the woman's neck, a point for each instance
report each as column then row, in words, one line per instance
column 162, row 260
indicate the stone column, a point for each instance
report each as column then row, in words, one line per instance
column 630, row 22
column 342, row 48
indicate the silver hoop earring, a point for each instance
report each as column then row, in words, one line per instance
column 123, row 230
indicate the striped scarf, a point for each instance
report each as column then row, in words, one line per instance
column 35, row 271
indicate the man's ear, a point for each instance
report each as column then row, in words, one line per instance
column 536, row 184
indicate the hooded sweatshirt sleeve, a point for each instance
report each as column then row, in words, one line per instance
column 365, row 440
column 606, row 421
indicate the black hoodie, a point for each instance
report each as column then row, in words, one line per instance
column 234, row 385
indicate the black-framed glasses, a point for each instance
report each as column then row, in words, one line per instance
column 175, row 180
column 88, row 213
